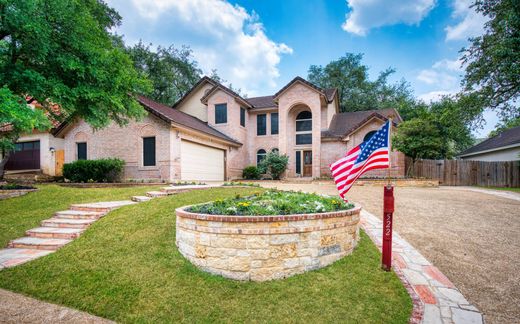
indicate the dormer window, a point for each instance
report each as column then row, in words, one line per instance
column 221, row 114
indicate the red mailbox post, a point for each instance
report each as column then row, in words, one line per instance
column 388, row 211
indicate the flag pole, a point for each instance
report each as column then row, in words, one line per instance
column 388, row 211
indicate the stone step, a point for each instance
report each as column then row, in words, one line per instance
column 67, row 222
column 103, row 207
column 141, row 198
column 178, row 189
column 54, row 232
column 156, row 194
column 79, row 214
column 38, row 243
column 11, row 257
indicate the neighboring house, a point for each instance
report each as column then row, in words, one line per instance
column 213, row 133
column 38, row 151
column 502, row 147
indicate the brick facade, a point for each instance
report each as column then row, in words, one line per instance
column 297, row 96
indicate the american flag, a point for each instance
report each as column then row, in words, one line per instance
column 369, row 155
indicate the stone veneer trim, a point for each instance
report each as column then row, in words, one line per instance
column 261, row 248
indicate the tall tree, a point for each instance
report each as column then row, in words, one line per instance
column 62, row 52
column 172, row 71
column 357, row 91
column 493, row 59
column 438, row 131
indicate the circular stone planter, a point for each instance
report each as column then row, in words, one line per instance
column 261, row 248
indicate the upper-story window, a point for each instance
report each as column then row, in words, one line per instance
column 368, row 136
column 304, row 128
column 221, row 114
column 274, row 123
column 242, row 117
column 261, row 124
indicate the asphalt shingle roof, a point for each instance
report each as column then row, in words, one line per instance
column 506, row 138
column 170, row 114
column 345, row 123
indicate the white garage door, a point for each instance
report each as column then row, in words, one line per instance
column 199, row 162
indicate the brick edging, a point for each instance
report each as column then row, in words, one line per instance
column 435, row 298
column 255, row 219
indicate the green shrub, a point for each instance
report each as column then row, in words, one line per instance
column 102, row 170
column 274, row 164
column 273, row 202
column 251, row 173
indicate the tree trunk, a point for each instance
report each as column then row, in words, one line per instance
column 3, row 162
column 409, row 172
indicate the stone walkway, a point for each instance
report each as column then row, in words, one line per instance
column 67, row 225
column 435, row 298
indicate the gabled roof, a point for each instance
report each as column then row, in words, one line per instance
column 506, row 138
column 219, row 86
column 170, row 114
column 346, row 123
column 262, row 102
column 327, row 93
column 199, row 83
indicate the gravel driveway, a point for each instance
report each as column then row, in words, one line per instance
column 472, row 237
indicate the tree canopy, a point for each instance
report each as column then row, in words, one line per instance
column 62, row 52
column 493, row 59
column 357, row 91
column 172, row 71
column 439, row 130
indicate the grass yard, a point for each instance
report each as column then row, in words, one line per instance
column 126, row 267
column 22, row 213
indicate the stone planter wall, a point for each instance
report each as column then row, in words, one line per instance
column 260, row 248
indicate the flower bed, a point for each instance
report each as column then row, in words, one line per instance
column 267, row 236
column 273, row 202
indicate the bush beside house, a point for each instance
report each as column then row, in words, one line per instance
column 274, row 165
column 102, row 170
column 251, row 173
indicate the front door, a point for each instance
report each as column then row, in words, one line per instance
column 307, row 163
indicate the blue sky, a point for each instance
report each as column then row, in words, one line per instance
column 259, row 46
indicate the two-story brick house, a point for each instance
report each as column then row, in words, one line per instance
column 212, row 133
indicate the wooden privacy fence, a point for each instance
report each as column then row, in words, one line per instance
column 467, row 173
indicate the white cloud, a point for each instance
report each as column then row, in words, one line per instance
column 223, row 36
column 367, row 14
column 444, row 74
column 444, row 77
column 435, row 95
column 470, row 22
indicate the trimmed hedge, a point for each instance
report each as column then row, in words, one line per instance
column 251, row 173
column 102, row 170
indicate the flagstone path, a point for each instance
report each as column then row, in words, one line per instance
column 67, row 225
column 435, row 298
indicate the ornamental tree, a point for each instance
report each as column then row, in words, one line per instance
column 62, row 52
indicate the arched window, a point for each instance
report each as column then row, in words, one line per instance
column 304, row 128
column 260, row 155
column 275, row 150
column 368, row 136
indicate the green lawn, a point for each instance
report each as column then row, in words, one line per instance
column 126, row 267
column 20, row 214
column 502, row 188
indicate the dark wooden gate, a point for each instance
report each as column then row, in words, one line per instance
column 26, row 156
